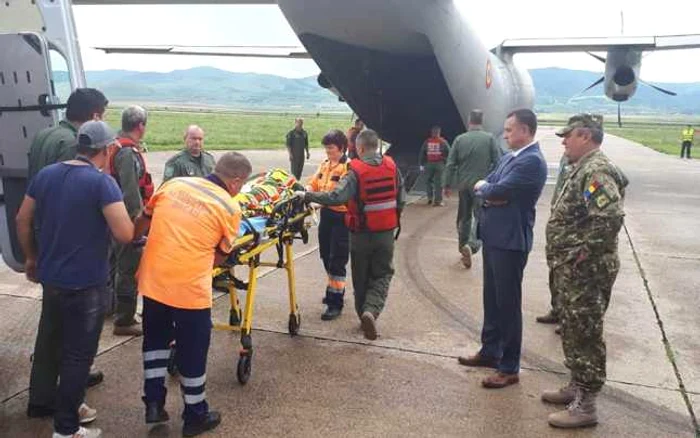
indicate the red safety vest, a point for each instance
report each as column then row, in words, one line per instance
column 146, row 186
column 374, row 208
column 433, row 149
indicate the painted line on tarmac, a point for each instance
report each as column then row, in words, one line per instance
column 667, row 344
column 447, row 356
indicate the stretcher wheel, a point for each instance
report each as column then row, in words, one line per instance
column 294, row 323
column 245, row 363
column 172, row 366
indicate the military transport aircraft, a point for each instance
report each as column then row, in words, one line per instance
column 401, row 65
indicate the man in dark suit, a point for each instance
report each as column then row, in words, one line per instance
column 509, row 195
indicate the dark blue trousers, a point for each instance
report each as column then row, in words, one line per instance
column 334, row 247
column 502, row 332
column 191, row 330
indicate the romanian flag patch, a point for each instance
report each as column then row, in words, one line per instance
column 597, row 193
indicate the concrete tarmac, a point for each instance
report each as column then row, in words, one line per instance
column 330, row 381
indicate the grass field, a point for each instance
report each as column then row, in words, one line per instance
column 230, row 130
column 165, row 129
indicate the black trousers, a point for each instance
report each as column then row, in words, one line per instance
column 191, row 330
column 685, row 148
column 66, row 344
column 501, row 334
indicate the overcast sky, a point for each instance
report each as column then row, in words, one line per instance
column 265, row 25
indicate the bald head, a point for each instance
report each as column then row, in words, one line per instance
column 194, row 140
column 234, row 169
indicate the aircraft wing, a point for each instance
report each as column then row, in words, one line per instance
column 599, row 44
column 289, row 52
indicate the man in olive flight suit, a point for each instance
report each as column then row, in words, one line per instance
column 193, row 160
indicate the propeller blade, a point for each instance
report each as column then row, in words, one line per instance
column 598, row 57
column 598, row 82
column 670, row 93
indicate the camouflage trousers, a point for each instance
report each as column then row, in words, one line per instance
column 583, row 293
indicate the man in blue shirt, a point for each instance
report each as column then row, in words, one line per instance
column 69, row 210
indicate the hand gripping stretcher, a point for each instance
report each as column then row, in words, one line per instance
column 272, row 218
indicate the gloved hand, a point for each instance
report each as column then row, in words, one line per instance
column 422, row 168
column 299, row 194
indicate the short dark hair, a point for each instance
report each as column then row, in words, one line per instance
column 336, row 137
column 525, row 117
column 369, row 139
column 476, row 117
column 233, row 165
column 83, row 103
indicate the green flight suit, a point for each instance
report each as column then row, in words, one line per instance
column 184, row 164
column 371, row 253
column 52, row 145
column 128, row 170
column 473, row 156
column 434, row 169
column 297, row 142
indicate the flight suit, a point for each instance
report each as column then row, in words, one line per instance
column 128, row 168
column 297, row 142
column 333, row 234
column 433, row 155
column 184, row 164
column 52, row 145
column 472, row 157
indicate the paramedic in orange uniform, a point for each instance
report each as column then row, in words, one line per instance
column 192, row 225
column 333, row 234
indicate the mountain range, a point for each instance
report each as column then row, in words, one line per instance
column 557, row 90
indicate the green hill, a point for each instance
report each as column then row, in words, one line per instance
column 557, row 90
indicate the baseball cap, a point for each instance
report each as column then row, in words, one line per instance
column 581, row 121
column 95, row 135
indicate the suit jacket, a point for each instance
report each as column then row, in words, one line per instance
column 509, row 198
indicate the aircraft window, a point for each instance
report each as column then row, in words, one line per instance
column 61, row 77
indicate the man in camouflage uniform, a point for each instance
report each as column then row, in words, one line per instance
column 552, row 317
column 193, row 160
column 582, row 257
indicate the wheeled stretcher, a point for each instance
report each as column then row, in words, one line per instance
column 272, row 219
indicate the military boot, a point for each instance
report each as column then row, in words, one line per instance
column 580, row 413
column 561, row 396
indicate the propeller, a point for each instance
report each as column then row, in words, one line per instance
column 670, row 93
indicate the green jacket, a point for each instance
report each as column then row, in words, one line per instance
column 347, row 188
column 184, row 164
column 473, row 156
column 52, row 145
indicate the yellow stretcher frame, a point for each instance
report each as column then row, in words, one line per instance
column 248, row 252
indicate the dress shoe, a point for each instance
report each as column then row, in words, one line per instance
column 193, row 429
column 369, row 326
column 549, row 318
column 331, row 313
column 128, row 330
column 38, row 411
column 155, row 412
column 478, row 360
column 95, row 378
column 500, row 380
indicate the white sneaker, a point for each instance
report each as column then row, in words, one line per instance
column 86, row 414
column 81, row 433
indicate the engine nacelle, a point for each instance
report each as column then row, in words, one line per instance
column 622, row 73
